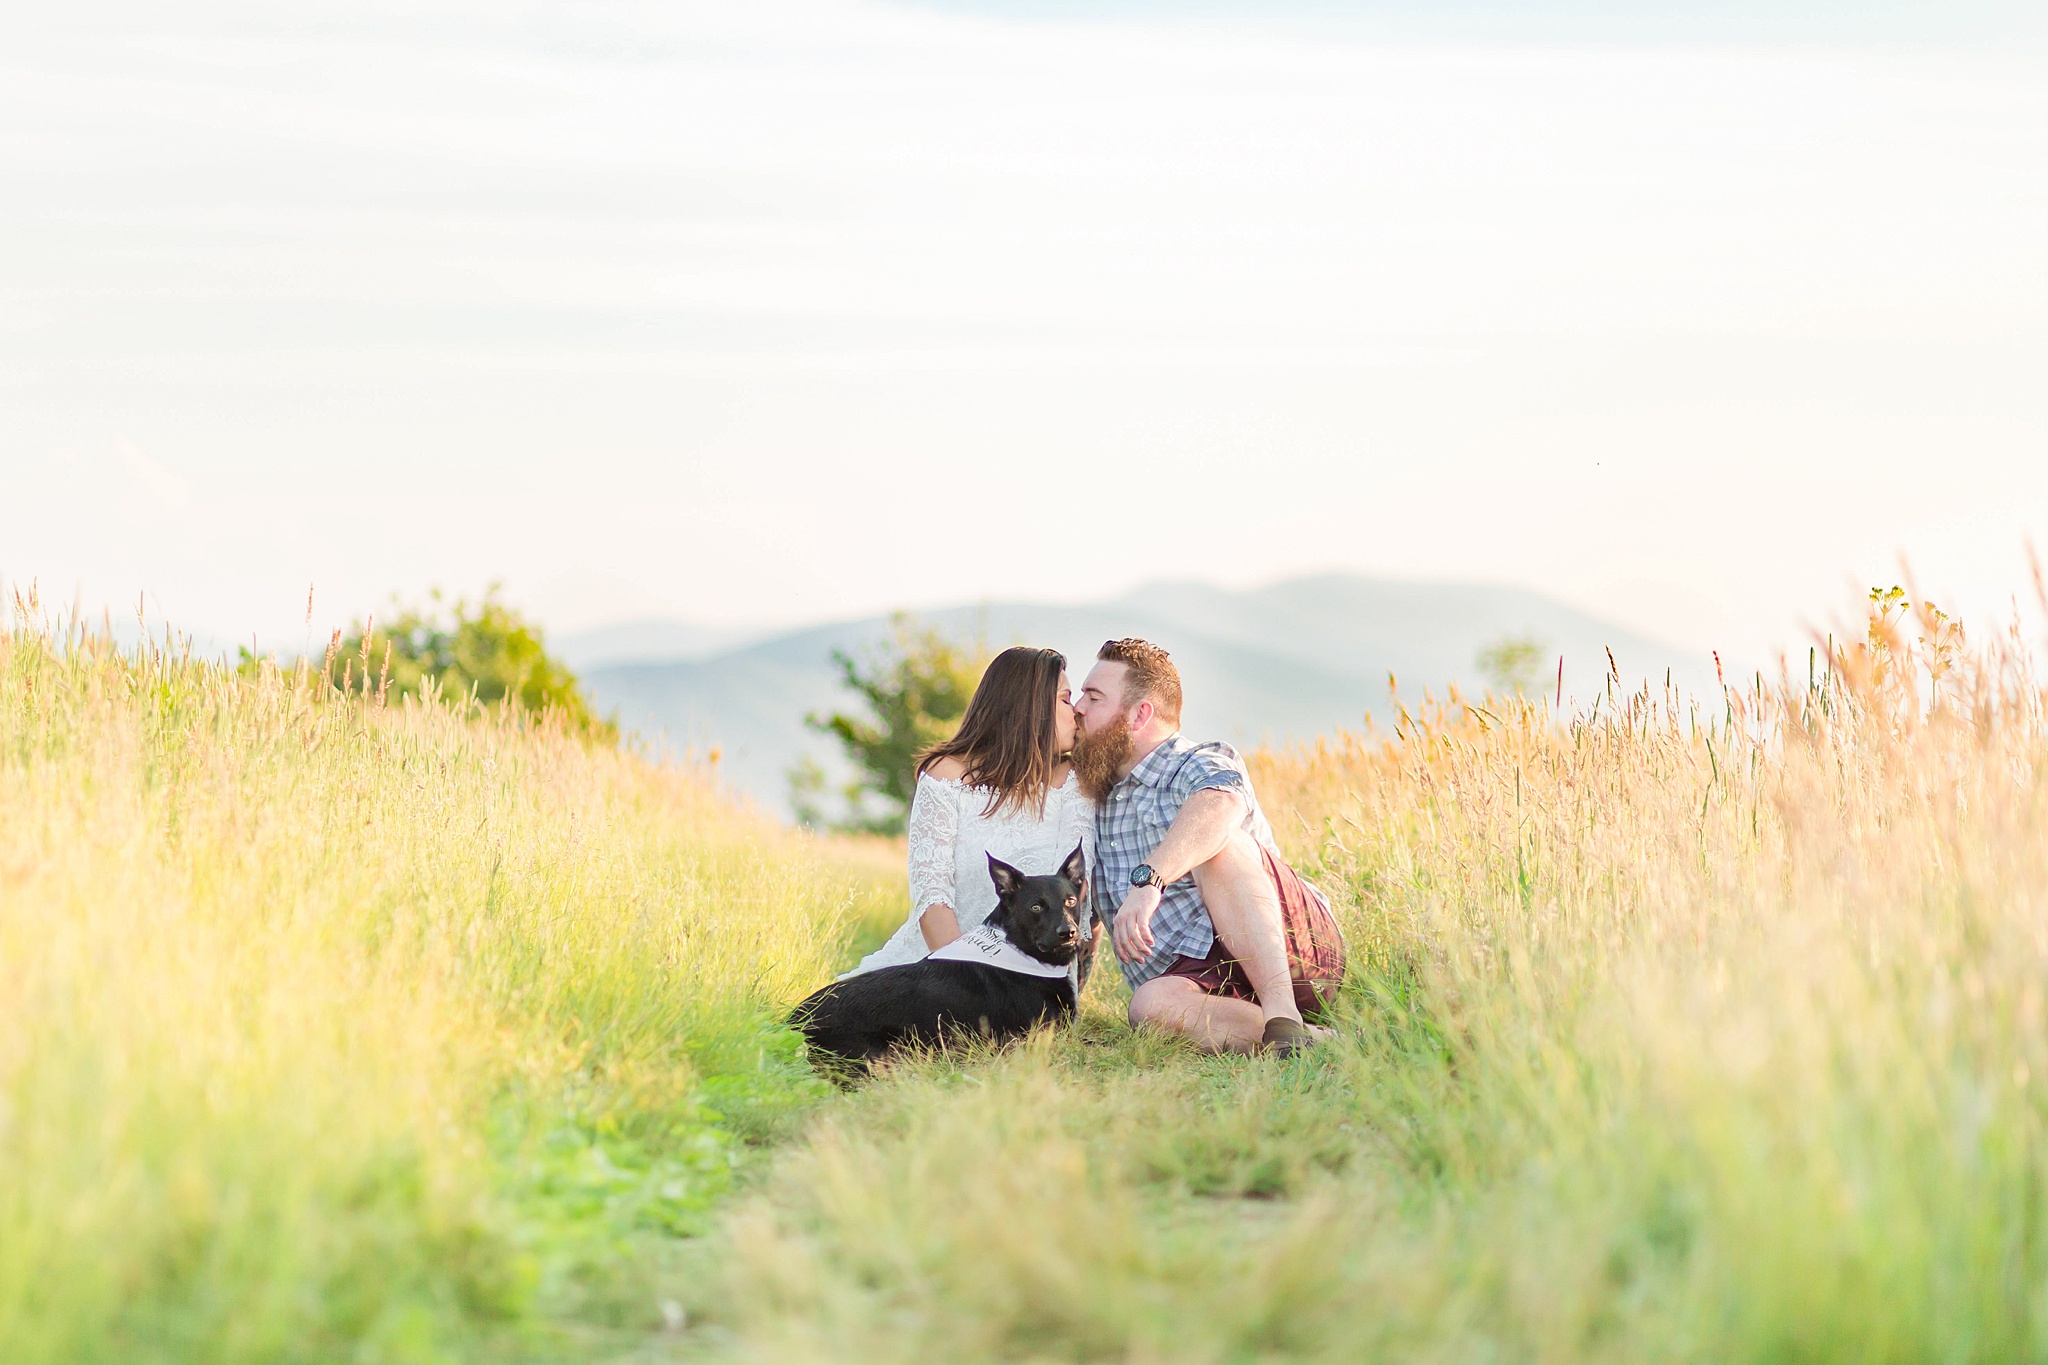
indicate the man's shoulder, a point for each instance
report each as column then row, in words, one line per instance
column 1201, row 763
column 1215, row 748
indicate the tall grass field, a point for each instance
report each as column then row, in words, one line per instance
column 1678, row 1029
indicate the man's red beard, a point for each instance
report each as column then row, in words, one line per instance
column 1100, row 756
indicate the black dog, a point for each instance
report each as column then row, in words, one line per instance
column 961, row 992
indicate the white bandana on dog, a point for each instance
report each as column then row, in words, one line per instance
column 992, row 948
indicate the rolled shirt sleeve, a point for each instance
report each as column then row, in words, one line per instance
column 1216, row 769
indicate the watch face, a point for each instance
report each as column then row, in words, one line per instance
column 1142, row 875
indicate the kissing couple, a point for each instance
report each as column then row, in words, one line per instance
column 1219, row 939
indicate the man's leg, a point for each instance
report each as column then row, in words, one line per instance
column 1245, row 908
column 1220, row 1023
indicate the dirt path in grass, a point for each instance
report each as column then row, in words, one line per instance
column 1091, row 1193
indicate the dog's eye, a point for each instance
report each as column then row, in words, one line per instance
column 1070, row 902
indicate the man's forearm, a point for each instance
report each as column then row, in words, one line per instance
column 1197, row 834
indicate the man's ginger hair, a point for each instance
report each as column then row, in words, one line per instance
column 1149, row 675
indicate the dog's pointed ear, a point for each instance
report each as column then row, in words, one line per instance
column 1006, row 878
column 1075, row 868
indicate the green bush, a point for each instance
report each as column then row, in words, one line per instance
column 489, row 654
column 1512, row 664
column 916, row 687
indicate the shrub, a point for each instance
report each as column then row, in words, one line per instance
column 916, row 687
column 1509, row 664
column 489, row 654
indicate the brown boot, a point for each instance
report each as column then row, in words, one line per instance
column 1285, row 1037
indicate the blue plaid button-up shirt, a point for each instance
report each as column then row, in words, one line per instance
column 1132, row 821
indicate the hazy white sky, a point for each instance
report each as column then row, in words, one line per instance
column 799, row 308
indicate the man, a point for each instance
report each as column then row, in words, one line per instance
column 1219, row 938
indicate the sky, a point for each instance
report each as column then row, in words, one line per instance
column 1698, row 318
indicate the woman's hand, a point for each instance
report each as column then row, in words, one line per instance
column 939, row 927
column 1132, row 932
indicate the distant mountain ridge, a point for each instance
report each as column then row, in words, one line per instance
column 1280, row 664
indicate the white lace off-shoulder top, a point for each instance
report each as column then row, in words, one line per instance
column 950, row 840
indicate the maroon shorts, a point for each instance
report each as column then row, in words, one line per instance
column 1315, row 949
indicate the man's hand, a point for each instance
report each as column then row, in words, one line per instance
column 1132, row 934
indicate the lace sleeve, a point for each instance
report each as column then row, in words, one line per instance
column 934, row 822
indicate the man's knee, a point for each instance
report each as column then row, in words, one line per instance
column 1163, row 1001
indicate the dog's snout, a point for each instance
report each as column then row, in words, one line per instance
column 1068, row 933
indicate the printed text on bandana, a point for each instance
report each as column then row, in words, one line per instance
column 992, row 948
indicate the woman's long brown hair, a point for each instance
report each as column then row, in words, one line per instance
column 1008, row 740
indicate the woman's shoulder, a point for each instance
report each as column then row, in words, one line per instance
column 947, row 769
column 946, row 780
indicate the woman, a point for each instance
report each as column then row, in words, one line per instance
column 1001, row 786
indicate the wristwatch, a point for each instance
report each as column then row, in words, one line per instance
column 1143, row 875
